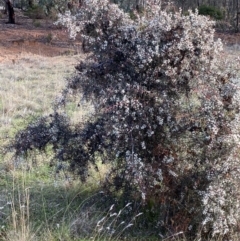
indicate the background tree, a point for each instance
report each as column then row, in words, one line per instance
column 229, row 8
column 30, row 3
column 10, row 10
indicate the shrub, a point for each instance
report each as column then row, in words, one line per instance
column 166, row 115
column 45, row 8
column 213, row 12
column 50, row 6
column 36, row 12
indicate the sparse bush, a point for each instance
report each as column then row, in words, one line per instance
column 36, row 12
column 213, row 12
column 51, row 6
column 166, row 116
column 36, row 24
column 46, row 8
column 49, row 38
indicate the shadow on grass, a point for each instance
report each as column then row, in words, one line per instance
column 38, row 202
column 36, row 206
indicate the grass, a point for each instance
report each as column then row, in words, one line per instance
column 36, row 203
column 29, row 86
column 39, row 211
column 36, row 209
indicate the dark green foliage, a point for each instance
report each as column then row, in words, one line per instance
column 36, row 12
column 45, row 8
column 211, row 11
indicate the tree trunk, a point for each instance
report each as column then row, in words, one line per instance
column 11, row 15
column 5, row 8
column 30, row 3
column 237, row 18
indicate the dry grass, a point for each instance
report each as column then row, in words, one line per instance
column 30, row 84
column 28, row 87
column 35, row 203
column 44, row 206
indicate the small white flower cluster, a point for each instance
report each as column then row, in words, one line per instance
column 69, row 21
column 217, row 208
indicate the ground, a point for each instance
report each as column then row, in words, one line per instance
column 42, row 37
column 33, row 36
column 36, row 57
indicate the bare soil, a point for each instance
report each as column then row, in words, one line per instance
column 33, row 36
column 229, row 39
column 42, row 37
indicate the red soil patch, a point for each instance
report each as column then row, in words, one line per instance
column 40, row 37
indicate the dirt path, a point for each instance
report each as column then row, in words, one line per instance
column 38, row 37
